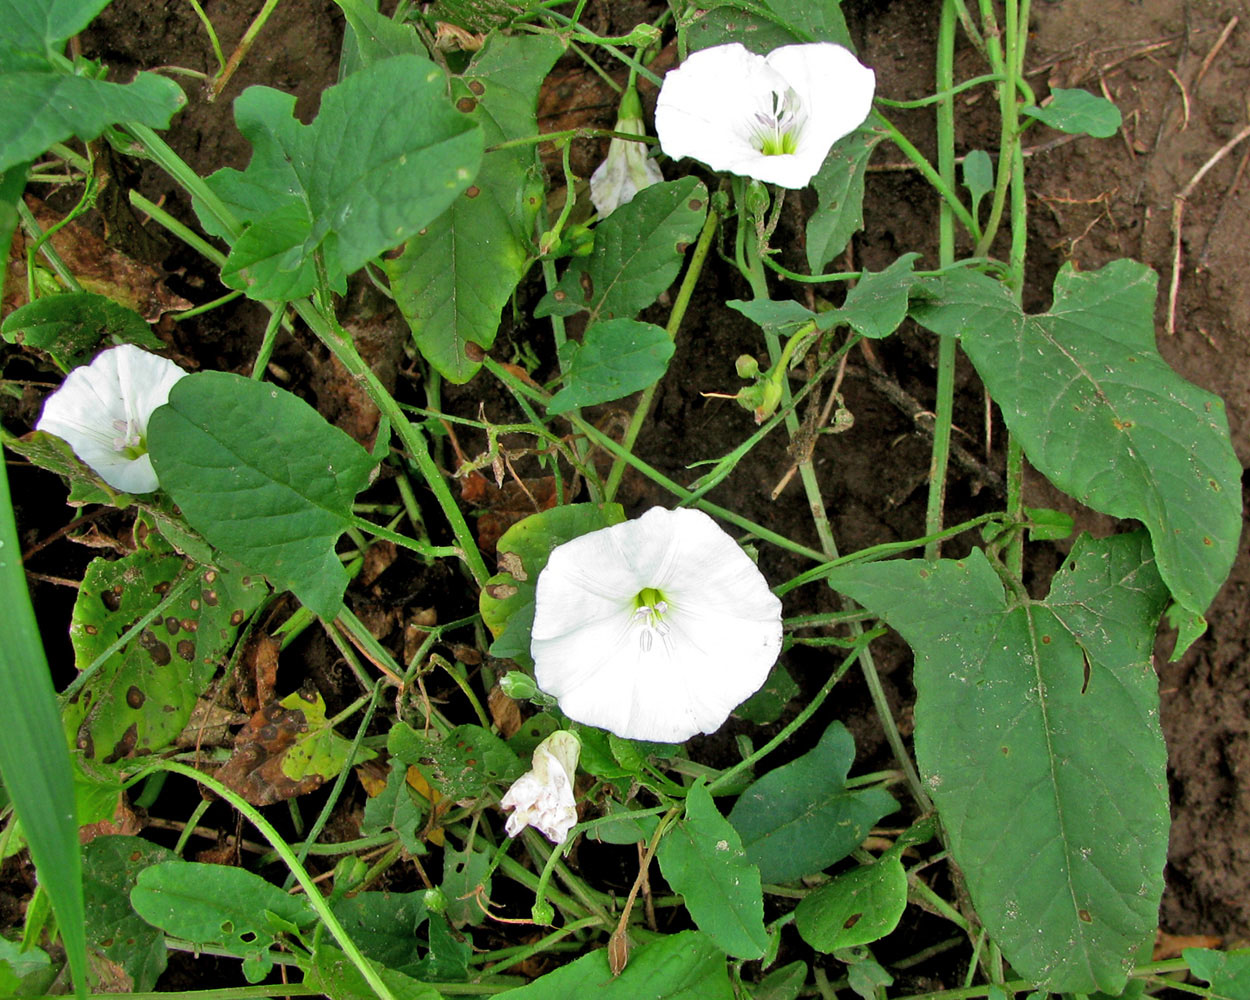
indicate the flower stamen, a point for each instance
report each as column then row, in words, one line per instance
column 776, row 132
column 649, row 610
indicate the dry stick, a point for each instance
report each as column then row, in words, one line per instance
column 1178, row 211
column 1184, row 100
column 1219, row 44
column 1204, row 257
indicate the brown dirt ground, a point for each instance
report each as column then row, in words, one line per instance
column 1091, row 201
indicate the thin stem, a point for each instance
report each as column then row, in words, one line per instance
column 943, row 96
column 172, row 225
column 675, row 317
column 244, row 46
column 945, row 401
column 946, row 191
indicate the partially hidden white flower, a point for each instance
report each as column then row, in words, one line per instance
column 655, row 629
column 543, row 796
column 770, row 117
column 628, row 169
column 102, row 411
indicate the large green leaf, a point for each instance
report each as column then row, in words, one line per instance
column 386, row 154
column 456, row 275
column 1102, row 416
column 507, row 600
column 683, row 966
column 613, row 359
column 217, row 904
column 801, row 817
column 41, row 108
column 337, row 977
column 43, row 26
column 383, row 924
column 141, row 697
column 263, row 477
column 1037, row 734
column 70, row 327
column 34, row 760
column 638, row 252
column 110, row 867
column 767, row 24
column 839, row 183
column 702, row 858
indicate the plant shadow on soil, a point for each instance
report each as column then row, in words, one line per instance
column 1091, row 201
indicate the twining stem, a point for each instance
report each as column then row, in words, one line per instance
column 675, row 317
column 945, row 401
column 945, row 190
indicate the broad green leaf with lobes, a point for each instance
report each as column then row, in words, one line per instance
column 1228, row 972
column 263, row 477
column 801, row 817
column 45, row 25
column 142, row 696
column 1100, row 413
column 702, row 858
column 456, row 275
column 614, row 358
column 69, row 327
column 877, row 305
column 638, row 252
column 42, row 108
column 1037, row 734
column 386, row 154
column 683, row 966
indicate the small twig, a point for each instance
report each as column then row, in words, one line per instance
column 1219, row 44
column 1178, row 212
column 1184, row 99
column 1225, row 200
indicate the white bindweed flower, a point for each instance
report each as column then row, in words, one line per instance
column 102, row 411
column 628, row 169
column 655, row 628
column 770, row 117
column 543, row 796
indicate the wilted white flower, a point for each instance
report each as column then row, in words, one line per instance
column 543, row 796
column 102, row 411
column 628, row 169
column 770, row 117
column 655, row 628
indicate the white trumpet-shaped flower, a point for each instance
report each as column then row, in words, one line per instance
column 543, row 796
column 102, row 411
column 628, row 169
column 770, row 117
column 655, row 628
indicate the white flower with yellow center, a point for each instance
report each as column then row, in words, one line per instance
column 543, row 796
column 771, row 117
column 655, row 629
column 102, row 411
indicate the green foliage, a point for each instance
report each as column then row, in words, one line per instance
column 48, row 99
column 839, row 184
column 319, row 751
column 1102, row 416
column 465, row 874
column 384, row 925
column 877, row 305
column 1079, row 112
column 767, row 704
column 507, row 600
column 456, row 275
column 462, row 764
column 615, row 357
column 1228, row 972
column 859, row 907
column 24, row 972
column 683, row 966
column 34, row 760
column 978, row 174
column 111, row 865
column 395, row 808
column 385, row 156
column 215, row 904
column 263, row 477
column 334, row 975
column 1015, row 699
column 638, row 252
column 767, row 25
column 70, row 327
column 800, row 818
column 141, row 697
column 702, row 858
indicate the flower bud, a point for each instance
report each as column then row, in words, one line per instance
column 543, row 796
column 628, row 169
column 518, row 685
column 746, row 366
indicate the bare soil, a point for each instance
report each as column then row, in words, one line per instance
column 1181, row 83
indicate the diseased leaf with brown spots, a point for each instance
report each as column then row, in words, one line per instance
column 460, row 765
column 142, row 696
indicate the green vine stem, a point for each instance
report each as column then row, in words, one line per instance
column 675, row 317
column 945, row 402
